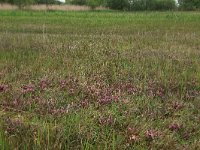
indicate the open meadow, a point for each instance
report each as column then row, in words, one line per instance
column 99, row 80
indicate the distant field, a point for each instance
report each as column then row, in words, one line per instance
column 99, row 80
column 50, row 7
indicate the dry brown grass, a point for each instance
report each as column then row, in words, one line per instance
column 7, row 7
column 50, row 7
column 58, row 7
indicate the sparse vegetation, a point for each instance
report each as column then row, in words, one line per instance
column 99, row 80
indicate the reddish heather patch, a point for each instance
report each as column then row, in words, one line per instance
column 132, row 135
column 105, row 99
column 16, row 127
column 12, row 125
column 108, row 120
column 3, row 88
column 191, row 94
column 102, row 93
column 27, row 88
column 57, row 111
column 127, row 87
column 16, row 103
column 84, row 103
column 174, row 127
column 131, row 130
column 41, row 106
column 150, row 135
column 155, row 89
column 133, row 138
column 188, row 133
column 49, row 107
column 43, row 84
column 92, row 90
column 62, row 83
column 70, row 85
column 177, row 105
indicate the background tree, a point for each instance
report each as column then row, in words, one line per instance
column 47, row 2
column 22, row 3
column 79, row 2
column 118, row 4
column 94, row 3
column 161, row 5
column 142, row 4
column 19, row 3
column 189, row 4
column 4, row 1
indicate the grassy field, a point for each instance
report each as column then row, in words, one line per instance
column 99, row 80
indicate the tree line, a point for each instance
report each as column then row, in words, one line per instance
column 126, row 5
column 23, row 3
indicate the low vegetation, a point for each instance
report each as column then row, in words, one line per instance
column 125, row 5
column 99, row 80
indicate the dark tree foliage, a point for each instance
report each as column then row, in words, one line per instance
column 5, row 1
column 189, row 4
column 161, row 4
column 118, row 4
column 79, row 2
column 142, row 4
column 47, row 2
column 28, row 2
column 20, row 3
column 91, row 3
